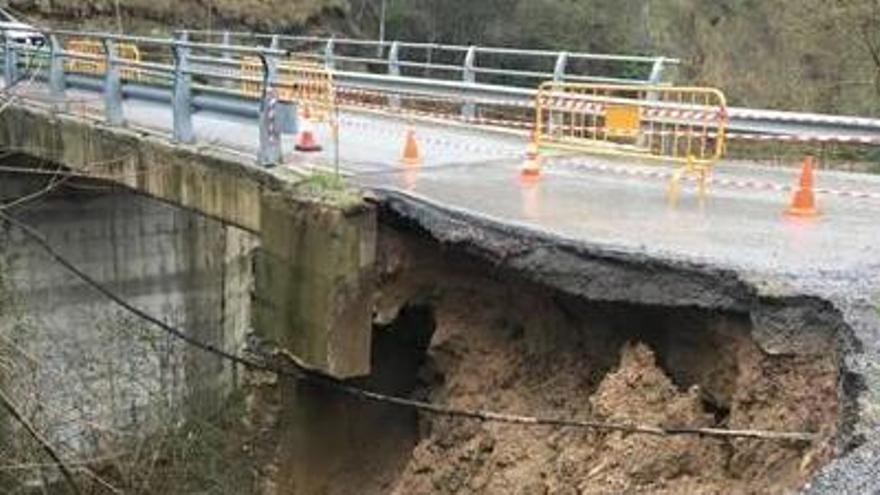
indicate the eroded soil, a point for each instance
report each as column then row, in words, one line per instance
column 452, row 330
column 503, row 345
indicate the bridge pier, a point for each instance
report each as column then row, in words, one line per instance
column 314, row 282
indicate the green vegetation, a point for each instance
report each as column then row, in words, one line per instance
column 814, row 55
column 328, row 187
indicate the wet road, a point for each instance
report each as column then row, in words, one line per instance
column 619, row 204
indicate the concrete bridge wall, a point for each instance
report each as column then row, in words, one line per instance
column 314, row 269
column 81, row 359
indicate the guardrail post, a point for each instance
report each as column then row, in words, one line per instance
column 57, row 78
column 394, row 59
column 112, row 86
column 182, row 99
column 226, row 41
column 469, row 110
column 329, row 62
column 10, row 66
column 394, row 70
column 285, row 112
column 657, row 71
column 655, row 78
column 559, row 68
column 555, row 120
column 225, row 54
column 270, row 153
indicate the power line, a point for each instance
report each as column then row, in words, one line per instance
column 303, row 371
column 60, row 176
column 53, row 183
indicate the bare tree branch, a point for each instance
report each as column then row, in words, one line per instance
column 44, row 443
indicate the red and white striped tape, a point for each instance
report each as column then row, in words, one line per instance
column 563, row 104
column 478, row 120
column 780, row 116
column 710, row 115
column 715, row 181
column 356, row 92
column 806, row 138
column 492, row 150
column 557, row 103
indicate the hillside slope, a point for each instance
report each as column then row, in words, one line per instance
column 141, row 16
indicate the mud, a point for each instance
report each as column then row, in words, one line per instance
column 454, row 329
column 503, row 344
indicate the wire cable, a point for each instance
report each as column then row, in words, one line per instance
column 303, row 371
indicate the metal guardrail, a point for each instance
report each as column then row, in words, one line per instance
column 173, row 73
column 804, row 126
column 198, row 75
column 470, row 64
column 767, row 124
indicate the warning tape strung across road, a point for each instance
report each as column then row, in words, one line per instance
column 571, row 105
column 568, row 104
column 434, row 98
column 528, row 125
column 746, row 114
column 487, row 121
column 806, row 138
column 563, row 104
column 660, row 131
column 682, row 114
column 435, row 141
column 722, row 182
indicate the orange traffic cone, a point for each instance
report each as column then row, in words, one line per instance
column 411, row 153
column 305, row 139
column 803, row 203
column 532, row 167
column 530, row 187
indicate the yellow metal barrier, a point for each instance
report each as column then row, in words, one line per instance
column 306, row 83
column 130, row 52
column 252, row 70
column 86, row 47
column 125, row 51
column 686, row 126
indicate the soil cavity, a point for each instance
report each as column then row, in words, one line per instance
column 501, row 347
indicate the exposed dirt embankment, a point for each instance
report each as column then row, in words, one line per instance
column 455, row 330
column 502, row 344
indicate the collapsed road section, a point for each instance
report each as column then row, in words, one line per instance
column 615, row 338
column 474, row 315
